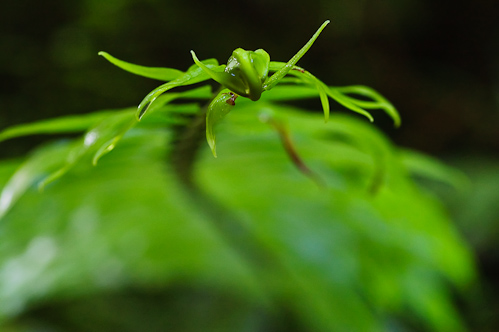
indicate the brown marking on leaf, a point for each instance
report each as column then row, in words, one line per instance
column 232, row 99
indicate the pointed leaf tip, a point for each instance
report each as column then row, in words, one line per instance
column 219, row 77
column 278, row 75
column 213, row 148
column 157, row 73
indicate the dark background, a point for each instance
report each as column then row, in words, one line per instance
column 438, row 62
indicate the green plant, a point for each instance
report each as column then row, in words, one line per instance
column 322, row 221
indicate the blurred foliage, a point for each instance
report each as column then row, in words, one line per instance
column 258, row 244
column 411, row 50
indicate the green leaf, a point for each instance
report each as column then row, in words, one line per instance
column 44, row 161
column 219, row 76
column 201, row 93
column 212, row 62
column 108, row 126
column 344, row 258
column 431, row 168
column 423, row 244
column 80, row 123
column 123, row 227
column 61, row 125
column 105, row 135
column 378, row 100
column 217, row 110
column 194, row 75
column 340, row 94
column 157, row 73
column 274, row 79
column 290, row 92
column 97, row 141
column 347, row 102
column 395, row 251
column 308, row 78
column 324, row 91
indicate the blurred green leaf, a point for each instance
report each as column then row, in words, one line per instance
column 428, row 167
column 96, row 142
column 103, row 137
column 476, row 210
column 80, row 123
column 43, row 162
column 330, row 255
column 345, row 238
column 107, row 226
column 61, row 125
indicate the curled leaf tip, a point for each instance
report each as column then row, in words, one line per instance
column 210, row 138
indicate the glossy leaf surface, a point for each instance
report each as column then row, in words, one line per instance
column 193, row 75
column 157, row 73
column 219, row 107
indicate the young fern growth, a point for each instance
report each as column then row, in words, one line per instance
column 347, row 282
column 247, row 74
